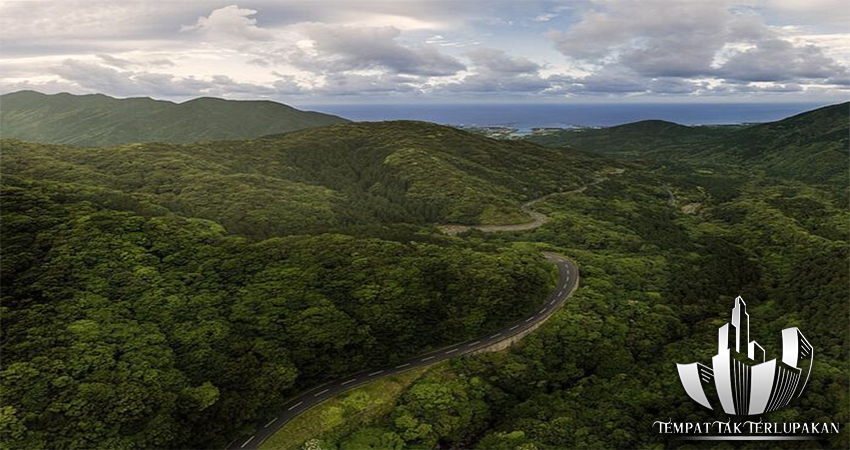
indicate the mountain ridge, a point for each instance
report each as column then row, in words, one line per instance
column 101, row 120
column 810, row 146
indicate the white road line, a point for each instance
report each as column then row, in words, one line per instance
column 427, row 358
column 349, row 381
column 320, row 393
column 376, row 373
column 402, row 365
column 552, row 302
column 473, row 343
column 514, row 327
column 246, row 442
column 270, row 422
column 295, row 406
column 529, row 319
column 495, row 335
column 451, row 351
column 542, row 311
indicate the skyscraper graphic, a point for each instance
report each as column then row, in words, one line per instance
column 745, row 383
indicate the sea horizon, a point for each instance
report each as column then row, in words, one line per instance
column 525, row 116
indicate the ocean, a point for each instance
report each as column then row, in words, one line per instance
column 526, row 116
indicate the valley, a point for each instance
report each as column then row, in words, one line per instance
column 209, row 287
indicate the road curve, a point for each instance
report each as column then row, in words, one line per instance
column 568, row 278
column 537, row 219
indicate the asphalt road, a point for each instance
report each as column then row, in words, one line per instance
column 567, row 283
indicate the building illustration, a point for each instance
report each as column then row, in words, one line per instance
column 745, row 383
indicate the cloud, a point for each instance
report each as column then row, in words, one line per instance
column 230, row 22
column 347, row 48
column 319, row 50
column 655, row 46
column 493, row 70
column 114, row 62
column 779, row 60
column 497, row 61
column 95, row 77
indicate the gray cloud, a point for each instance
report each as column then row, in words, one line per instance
column 360, row 48
column 497, row 61
column 496, row 71
column 653, row 46
column 115, row 62
column 778, row 60
column 124, row 83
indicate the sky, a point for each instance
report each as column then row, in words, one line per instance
column 363, row 51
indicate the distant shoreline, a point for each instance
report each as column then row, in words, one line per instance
column 525, row 117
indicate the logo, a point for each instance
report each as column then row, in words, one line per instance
column 745, row 383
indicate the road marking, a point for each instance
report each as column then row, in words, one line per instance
column 495, row 335
column 552, row 302
column 473, row 343
column 295, row 406
column 375, row 373
column 402, row 365
column 514, row 327
column 320, row 393
column 246, row 442
column 529, row 319
column 542, row 311
column 349, row 381
column 270, row 422
column 426, row 359
column 451, row 351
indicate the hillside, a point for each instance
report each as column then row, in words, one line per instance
column 330, row 178
column 811, row 147
column 100, row 120
column 631, row 139
column 200, row 286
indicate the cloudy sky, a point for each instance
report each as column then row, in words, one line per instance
column 422, row 50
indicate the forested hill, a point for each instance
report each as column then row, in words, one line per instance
column 97, row 119
column 323, row 179
column 811, row 147
column 171, row 296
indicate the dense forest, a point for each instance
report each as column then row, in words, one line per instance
column 811, row 147
column 663, row 249
column 98, row 119
column 171, row 296
column 326, row 179
column 125, row 331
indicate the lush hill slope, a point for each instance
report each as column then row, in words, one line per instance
column 97, row 120
column 812, row 146
column 134, row 317
column 315, row 180
column 657, row 280
column 631, row 139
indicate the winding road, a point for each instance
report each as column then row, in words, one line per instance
column 537, row 219
column 568, row 278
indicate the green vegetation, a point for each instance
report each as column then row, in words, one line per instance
column 173, row 296
column 663, row 250
column 190, row 335
column 96, row 120
column 334, row 178
column 343, row 413
column 811, row 147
